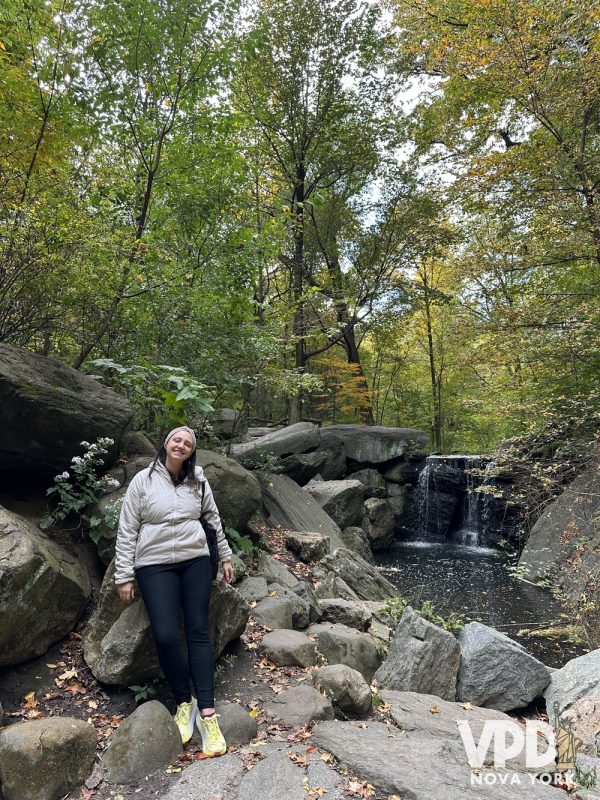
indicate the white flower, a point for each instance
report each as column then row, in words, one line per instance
column 77, row 460
column 84, row 444
column 64, row 476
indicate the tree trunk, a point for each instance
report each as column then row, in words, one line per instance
column 299, row 328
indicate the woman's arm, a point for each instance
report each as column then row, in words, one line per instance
column 128, row 531
column 211, row 512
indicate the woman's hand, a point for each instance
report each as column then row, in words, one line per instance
column 227, row 572
column 126, row 592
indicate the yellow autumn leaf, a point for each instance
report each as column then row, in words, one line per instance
column 254, row 712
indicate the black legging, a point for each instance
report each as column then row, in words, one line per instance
column 166, row 588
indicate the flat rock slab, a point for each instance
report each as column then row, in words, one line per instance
column 288, row 648
column 289, row 506
column 578, row 679
column 208, row 779
column 307, row 545
column 299, row 706
column 417, row 768
column 374, row 444
column 274, row 778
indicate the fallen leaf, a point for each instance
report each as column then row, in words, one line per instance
column 301, row 761
column 67, row 675
column 86, row 794
column 170, row 770
column 434, row 710
column 93, row 704
column 467, row 706
column 311, row 750
column 326, row 757
column 52, row 666
column 254, row 712
column 277, row 688
column 76, row 688
column 30, row 699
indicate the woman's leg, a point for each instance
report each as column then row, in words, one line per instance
column 196, row 585
column 161, row 589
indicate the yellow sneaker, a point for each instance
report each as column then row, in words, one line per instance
column 184, row 719
column 213, row 741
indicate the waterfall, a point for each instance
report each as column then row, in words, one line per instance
column 448, row 505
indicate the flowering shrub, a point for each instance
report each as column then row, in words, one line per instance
column 78, row 487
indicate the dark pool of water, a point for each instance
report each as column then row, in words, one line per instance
column 475, row 583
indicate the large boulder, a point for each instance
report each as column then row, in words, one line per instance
column 341, row 500
column 564, row 546
column 422, row 658
column 45, row 759
column 363, row 578
column 146, row 741
column 346, row 688
column 300, row 705
column 356, row 539
column 294, row 509
column 43, row 590
column 227, row 423
column 496, row 672
column 236, row 491
column 579, row 679
column 342, row 645
column 299, row 438
column 118, row 645
column 372, row 444
column 286, row 647
column 48, row 409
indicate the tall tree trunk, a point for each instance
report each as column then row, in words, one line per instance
column 436, row 389
column 299, row 327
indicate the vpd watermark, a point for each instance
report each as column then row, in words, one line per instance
column 535, row 744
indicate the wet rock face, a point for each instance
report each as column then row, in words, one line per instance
column 48, row 409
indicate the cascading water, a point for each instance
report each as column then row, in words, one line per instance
column 448, row 505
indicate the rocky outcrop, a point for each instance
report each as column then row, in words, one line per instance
column 45, row 759
column 496, row 672
column 299, row 438
column 378, row 523
column 563, row 547
column 43, row 590
column 422, row 658
column 118, row 645
column 48, row 409
column 374, row 444
column 147, row 740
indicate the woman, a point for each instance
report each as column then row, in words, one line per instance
column 162, row 544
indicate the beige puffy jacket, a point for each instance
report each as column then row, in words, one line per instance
column 160, row 523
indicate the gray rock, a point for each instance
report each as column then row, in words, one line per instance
column 303, row 467
column 298, row 438
column 227, row 422
column 341, row 500
column 274, row 778
column 305, row 590
column 588, row 769
column 416, row 768
column 345, row 687
column 497, row 672
column 334, row 467
column 208, row 779
column 45, row 759
column 342, row 645
column 146, row 741
column 288, row 648
column 237, row 726
column 401, row 471
column 356, row 539
column 299, row 706
column 412, row 712
column 583, row 720
column 300, row 606
column 578, row 679
column 332, row 586
column 422, row 658
column 236, row 490
column 361, row 577
column 295, row 510
column 307, row 546
column 48, row 409
column 36, row 573
column 373, row 482
column 253, row 588
column 568, row 533
column 273, row 571
column 378, row 523
column 346, row 613
column 397, row 506
column 118, row 645
column 136, row 443
column 273, row 612
column 374, row 444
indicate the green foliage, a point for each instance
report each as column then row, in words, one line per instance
column 77, row 488
column 240, row 542
column 163, row 396
column 143, row 692
column 396, row 606
column 99, row 526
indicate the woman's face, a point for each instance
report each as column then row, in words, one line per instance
column 179, row 447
